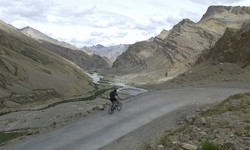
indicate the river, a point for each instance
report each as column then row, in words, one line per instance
column 122, row 87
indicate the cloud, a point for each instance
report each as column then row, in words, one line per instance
column 121, row 34
column 44, row 11
column 214, row 2
column 75, row 14
column 76, row 42
column 96, row 34
column 90, row 42
column 105, row 19
column 190, row 15
column 34, row 10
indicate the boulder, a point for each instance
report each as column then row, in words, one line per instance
column 160, row 147
column 187, row 146
column 200, row 121
column 190, row 119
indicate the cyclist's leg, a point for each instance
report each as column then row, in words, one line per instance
column 113, row 101
column 116, row 101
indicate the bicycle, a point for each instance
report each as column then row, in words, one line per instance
column 114, row 106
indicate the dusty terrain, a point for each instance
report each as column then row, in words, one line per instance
column 91, row 133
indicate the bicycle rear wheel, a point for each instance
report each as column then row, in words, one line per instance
column 111, row 109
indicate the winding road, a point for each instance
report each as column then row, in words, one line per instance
column 101, row 129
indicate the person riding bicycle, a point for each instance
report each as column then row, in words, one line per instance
column 113, row 94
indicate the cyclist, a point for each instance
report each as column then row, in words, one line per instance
column 113, row 94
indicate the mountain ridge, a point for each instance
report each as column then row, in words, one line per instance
column 36, row 34
column 181, row 46
column 68, row 51
column 111, row 52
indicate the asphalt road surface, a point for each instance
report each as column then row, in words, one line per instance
column 101, row 129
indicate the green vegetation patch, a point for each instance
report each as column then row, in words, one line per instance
column 96, row 94
column 247, row 128
column 207, row 145
column 6, row 137
column 92, row 97
column 233, row 103
column 165, row 141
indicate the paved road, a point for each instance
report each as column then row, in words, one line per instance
column 97, row 131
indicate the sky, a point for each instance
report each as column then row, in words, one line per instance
column 106, row 22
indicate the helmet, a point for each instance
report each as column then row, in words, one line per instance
column 115, row 88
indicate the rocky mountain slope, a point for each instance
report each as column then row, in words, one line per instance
column 79, row 57
column 176, row 51
column 227, row 63
column 87, row 62
column 233, row 47
column 110, row 52
column 28, row 70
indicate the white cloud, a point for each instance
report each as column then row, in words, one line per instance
column 96, row 34
column 215, row 2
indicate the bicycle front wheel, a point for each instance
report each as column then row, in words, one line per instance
column 119, row 106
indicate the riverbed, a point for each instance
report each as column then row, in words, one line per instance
column 122, row 87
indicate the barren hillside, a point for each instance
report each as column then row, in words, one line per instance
column 227, row 63
column 69, row 52
column 27, row 68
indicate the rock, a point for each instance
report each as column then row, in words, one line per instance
column 99, row 107
column 187, row 146
column 200, row 121
column 246, row 139
column 203, row 133
column 176, row 142
column 160, row 147
column 228, row 145
column 190, row 119
column 232, row 135
column 205, row 109
column 181, row 122
column 29, row 132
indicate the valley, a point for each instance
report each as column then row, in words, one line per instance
column 50, row 90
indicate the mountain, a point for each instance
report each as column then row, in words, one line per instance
column 28, row 68
column 218, row 18
column 227, row 63
column 35, row 34
column 79, row 57
column 109, row 52
column 233, row 47
column 176, row 51
column 161, row 36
